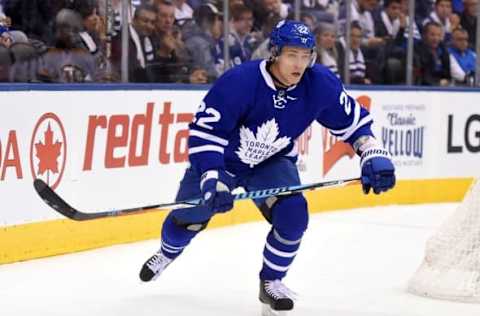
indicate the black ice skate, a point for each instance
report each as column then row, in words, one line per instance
column 276, row 298
column 154, row 266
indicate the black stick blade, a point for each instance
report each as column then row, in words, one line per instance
column 53, row 200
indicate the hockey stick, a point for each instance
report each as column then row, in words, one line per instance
column 62, row 207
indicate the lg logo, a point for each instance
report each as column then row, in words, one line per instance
column 471, row 135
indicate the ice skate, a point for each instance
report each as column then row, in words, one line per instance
column 154, row 266
column 276, row 298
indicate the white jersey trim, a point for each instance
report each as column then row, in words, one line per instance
column 266, row 76
column 206, row 136
column 367, row 119
column 199, row 149
column 268, row 79
column 356, row 118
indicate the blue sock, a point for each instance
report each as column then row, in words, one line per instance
column 278, row 255
column 174, row 238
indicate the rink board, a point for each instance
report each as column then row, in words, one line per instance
column 57, row 237
column 112, row 147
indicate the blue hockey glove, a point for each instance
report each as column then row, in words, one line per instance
column 216, row 186
column 378, row 171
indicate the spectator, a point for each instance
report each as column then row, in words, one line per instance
column 265, row 10
column 391, row 24
column 93, row 34
column 357, row 64
column 263, row 51
column 321, row 10
column 309, row 20
column 240, row 40
column 462, row 59
column 362, row 14
column 25, row 63
column 443, row 15
column 68, row 61
column 468, row 20
column 202, row 38
column 431, row 58
column 141, row 48
column 9, row 38
column 23, row 57
column 171, row 55
column 327, row 54
column 95, row 40
column 423, row 9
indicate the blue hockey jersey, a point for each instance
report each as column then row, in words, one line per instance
column 245, row 120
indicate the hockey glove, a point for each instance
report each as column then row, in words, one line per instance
column 378, row 171
column 216, row 186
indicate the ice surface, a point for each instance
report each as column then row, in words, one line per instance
column 351, row 263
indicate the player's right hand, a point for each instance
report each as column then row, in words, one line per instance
column 216, row 186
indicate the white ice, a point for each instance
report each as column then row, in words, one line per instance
column 351, row 263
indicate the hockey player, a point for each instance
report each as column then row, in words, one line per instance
column 243, row 135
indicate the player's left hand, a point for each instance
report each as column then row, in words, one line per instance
column 378, row 172
column 216, row 186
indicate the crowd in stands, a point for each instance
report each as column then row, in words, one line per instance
column 183, row 41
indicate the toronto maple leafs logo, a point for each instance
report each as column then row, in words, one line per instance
column 256, row 148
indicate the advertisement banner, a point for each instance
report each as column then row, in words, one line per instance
column 117, row 149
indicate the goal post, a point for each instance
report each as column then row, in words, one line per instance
column 451, row 267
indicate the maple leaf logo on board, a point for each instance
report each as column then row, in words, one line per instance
column 48, row 150
column 48, row 153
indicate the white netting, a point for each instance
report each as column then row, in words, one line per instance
column 451, row 268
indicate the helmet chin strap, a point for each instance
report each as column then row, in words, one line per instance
column 278, row 83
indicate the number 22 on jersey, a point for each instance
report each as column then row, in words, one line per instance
column 212, row 116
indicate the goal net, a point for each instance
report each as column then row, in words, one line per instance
column 451, row 267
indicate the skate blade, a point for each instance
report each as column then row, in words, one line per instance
column 268, row 311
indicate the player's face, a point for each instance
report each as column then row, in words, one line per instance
column 291, row 64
